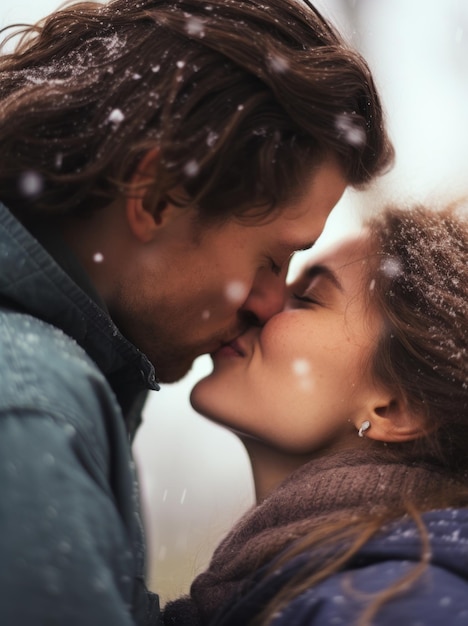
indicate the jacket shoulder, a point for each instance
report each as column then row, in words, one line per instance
column 439, row 596
column 45, row 371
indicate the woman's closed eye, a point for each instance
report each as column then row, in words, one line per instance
column 316, row 287
column 306, row 298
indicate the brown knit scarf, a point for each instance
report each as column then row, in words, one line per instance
column 349, row 482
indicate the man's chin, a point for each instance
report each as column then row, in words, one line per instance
column 174, row 372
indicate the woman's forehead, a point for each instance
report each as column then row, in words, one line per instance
column 340, row 254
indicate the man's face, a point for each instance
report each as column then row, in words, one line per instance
column 194, row 288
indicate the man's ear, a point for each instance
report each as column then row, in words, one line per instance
column 144, row 215
column 392, row 421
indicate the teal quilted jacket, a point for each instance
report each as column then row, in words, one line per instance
column 71, row 393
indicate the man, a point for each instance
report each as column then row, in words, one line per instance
column 161, row 161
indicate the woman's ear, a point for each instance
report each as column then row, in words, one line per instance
column 391, row 421
column 144, row 216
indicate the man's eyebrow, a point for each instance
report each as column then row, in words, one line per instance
column 322, row 270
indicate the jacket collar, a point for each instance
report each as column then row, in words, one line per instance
column 51, row 284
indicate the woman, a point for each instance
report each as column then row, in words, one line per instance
column 353, row 406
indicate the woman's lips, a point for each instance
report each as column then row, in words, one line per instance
column 231, row 349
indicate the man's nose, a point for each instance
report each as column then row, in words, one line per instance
column 266, row 298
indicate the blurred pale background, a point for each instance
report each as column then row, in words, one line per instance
column 195, row 476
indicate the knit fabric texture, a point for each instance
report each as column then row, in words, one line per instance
column 348, row 483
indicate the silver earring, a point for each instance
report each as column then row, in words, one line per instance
column 364, row 426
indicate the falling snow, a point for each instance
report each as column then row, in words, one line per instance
column 236, row 292
column 301, row 367
column 278, row 63
column 348, row 128
column 191, row 168
column 195, row 26
column 116, row 117
column 391, row 267
column 212, row 138
column 30, row 183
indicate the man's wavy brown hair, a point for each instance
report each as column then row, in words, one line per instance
column 239, row 99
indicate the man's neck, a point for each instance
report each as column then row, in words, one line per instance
column 48, row 234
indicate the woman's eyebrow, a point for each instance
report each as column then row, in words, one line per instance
column 325, row 272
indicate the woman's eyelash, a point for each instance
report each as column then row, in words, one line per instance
column 308, row 299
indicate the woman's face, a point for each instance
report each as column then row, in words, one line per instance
column 301, row 383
